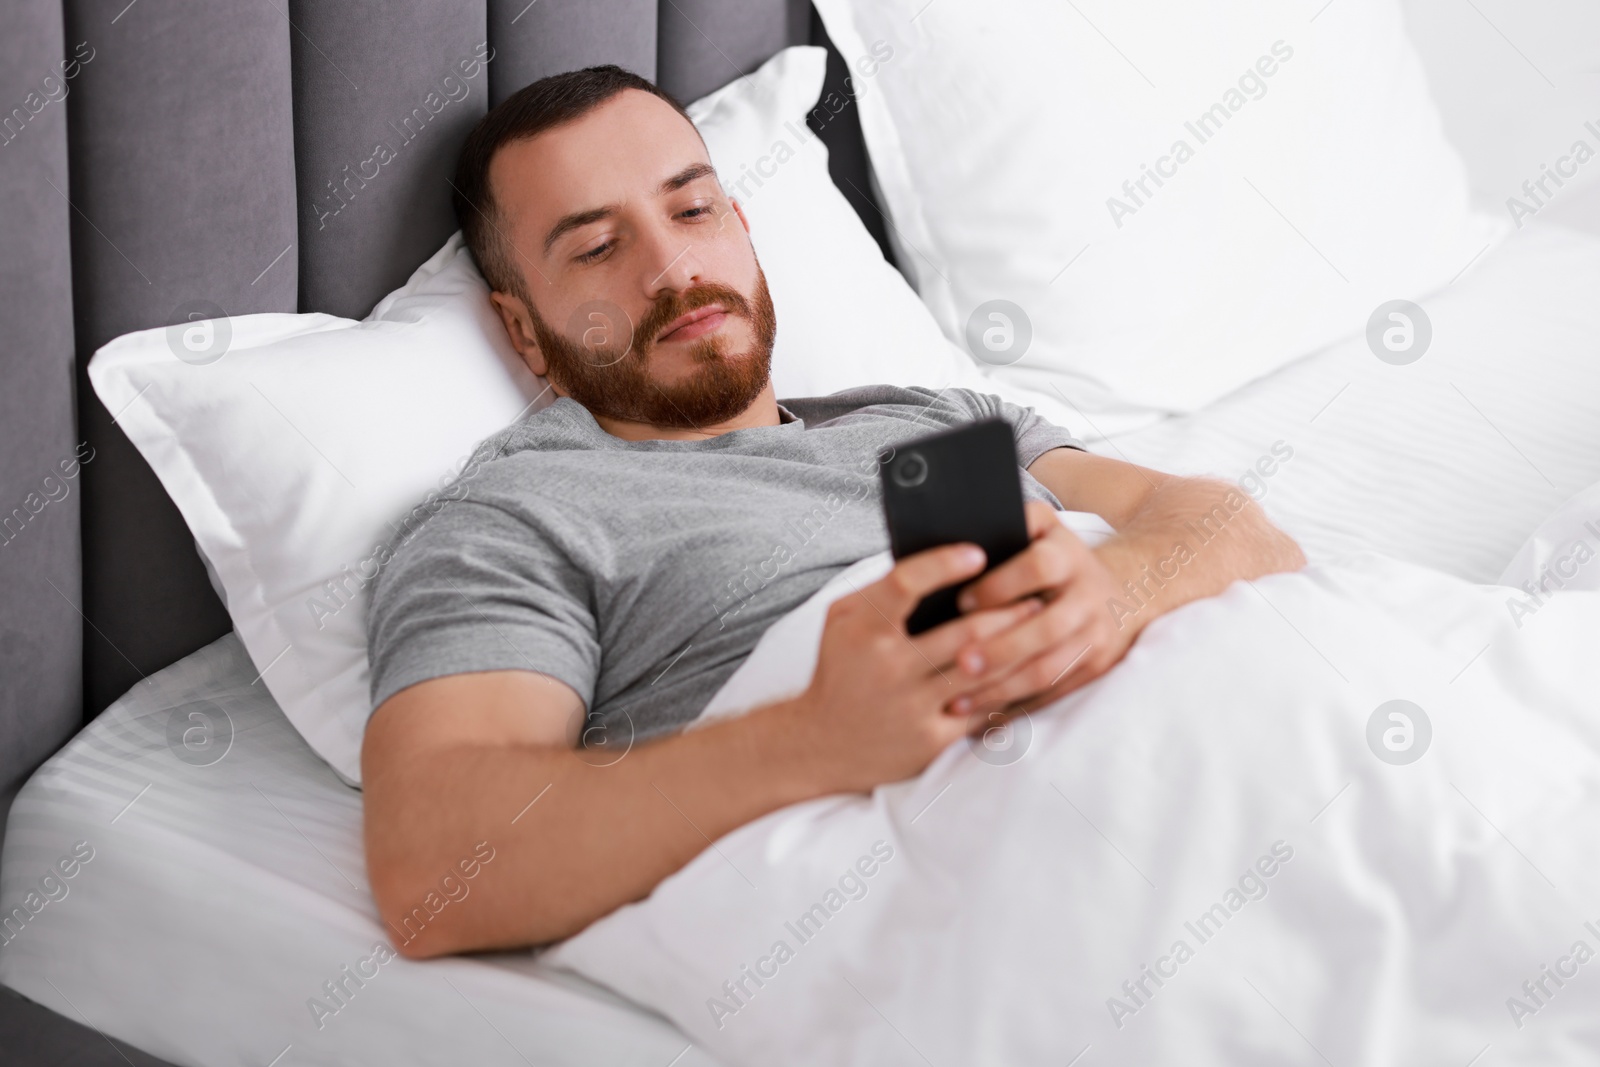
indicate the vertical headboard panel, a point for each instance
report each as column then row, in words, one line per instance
column 705, row 44
column 381, row 106
column 41, row 632
column 182, row 176
column 231, row 159
column 533, row 40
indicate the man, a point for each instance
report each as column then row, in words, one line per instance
column 538, row 644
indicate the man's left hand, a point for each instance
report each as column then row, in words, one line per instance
column 1074, row 640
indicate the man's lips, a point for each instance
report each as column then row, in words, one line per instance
column 696, row 323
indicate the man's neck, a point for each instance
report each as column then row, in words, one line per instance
column 763, row 411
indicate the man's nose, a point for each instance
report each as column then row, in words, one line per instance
column 670, row 265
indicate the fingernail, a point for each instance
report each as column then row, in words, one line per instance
column 967, row 601
column 972, row 663
column 972, row 555
column 961, row 705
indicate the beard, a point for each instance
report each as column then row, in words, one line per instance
column 607, row 369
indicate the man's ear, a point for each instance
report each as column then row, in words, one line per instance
column 515, row 316
column 737, row 210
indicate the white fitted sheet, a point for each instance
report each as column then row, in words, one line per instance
column 223, row 896
column 221, row 899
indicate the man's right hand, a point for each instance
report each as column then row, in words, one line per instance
column 876, row 708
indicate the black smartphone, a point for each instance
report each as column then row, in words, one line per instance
column 956, row 485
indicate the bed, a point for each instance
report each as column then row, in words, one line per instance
column 222, row 894
column 228, row 890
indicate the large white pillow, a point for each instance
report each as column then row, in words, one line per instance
column 306, row 444
column 1002, row 133
column 296, row 446
column 845, row 316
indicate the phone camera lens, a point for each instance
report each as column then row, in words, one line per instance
column 910, row 470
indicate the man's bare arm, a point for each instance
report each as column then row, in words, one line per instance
column 1224, row 535
column 489, row 757
column 1177, row 539
column 1193, row 538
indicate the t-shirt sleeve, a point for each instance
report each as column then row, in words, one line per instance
column 476, row 589
column 1035, row 434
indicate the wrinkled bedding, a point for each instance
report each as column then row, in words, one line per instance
column 1348, row 815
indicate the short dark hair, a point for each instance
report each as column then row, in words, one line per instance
column 530, row 111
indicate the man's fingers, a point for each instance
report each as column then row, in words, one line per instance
column 1032, row 656
column 1057, row 671
column 1047, row 564
column 1041, row 518
column 941, row 644
column 897, row 593
column 1061, row 620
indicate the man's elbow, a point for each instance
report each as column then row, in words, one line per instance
column 411, row 908
column 415, row 884
column 1290, row 556
column 417, row 935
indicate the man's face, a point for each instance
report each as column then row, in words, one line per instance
column 642, row 297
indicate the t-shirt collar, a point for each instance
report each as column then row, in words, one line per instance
column 787, row 421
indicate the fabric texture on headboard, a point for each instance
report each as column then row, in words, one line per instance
column 230, row 159
column 41, row 632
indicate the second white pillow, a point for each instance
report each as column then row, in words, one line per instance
column 1148, row 205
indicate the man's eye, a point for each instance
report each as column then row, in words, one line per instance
column 594, row 253
column 696, row 212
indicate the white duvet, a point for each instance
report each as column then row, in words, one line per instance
column 1232, row 849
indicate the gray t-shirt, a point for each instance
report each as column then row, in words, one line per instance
column 642, row 573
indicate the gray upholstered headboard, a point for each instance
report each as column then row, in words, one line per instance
column 157, row 153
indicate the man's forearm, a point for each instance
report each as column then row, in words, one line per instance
column 572, row 840
column 1191, row 538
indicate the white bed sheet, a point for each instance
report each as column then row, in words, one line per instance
column 221, row 897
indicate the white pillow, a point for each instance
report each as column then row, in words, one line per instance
column 301, row 448
column 295, row 445
column 845, row 316
column 1002, row 134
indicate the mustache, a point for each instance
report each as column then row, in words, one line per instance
column 670, row 306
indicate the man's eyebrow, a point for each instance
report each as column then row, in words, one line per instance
column 567, row 223
column 692, row 172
